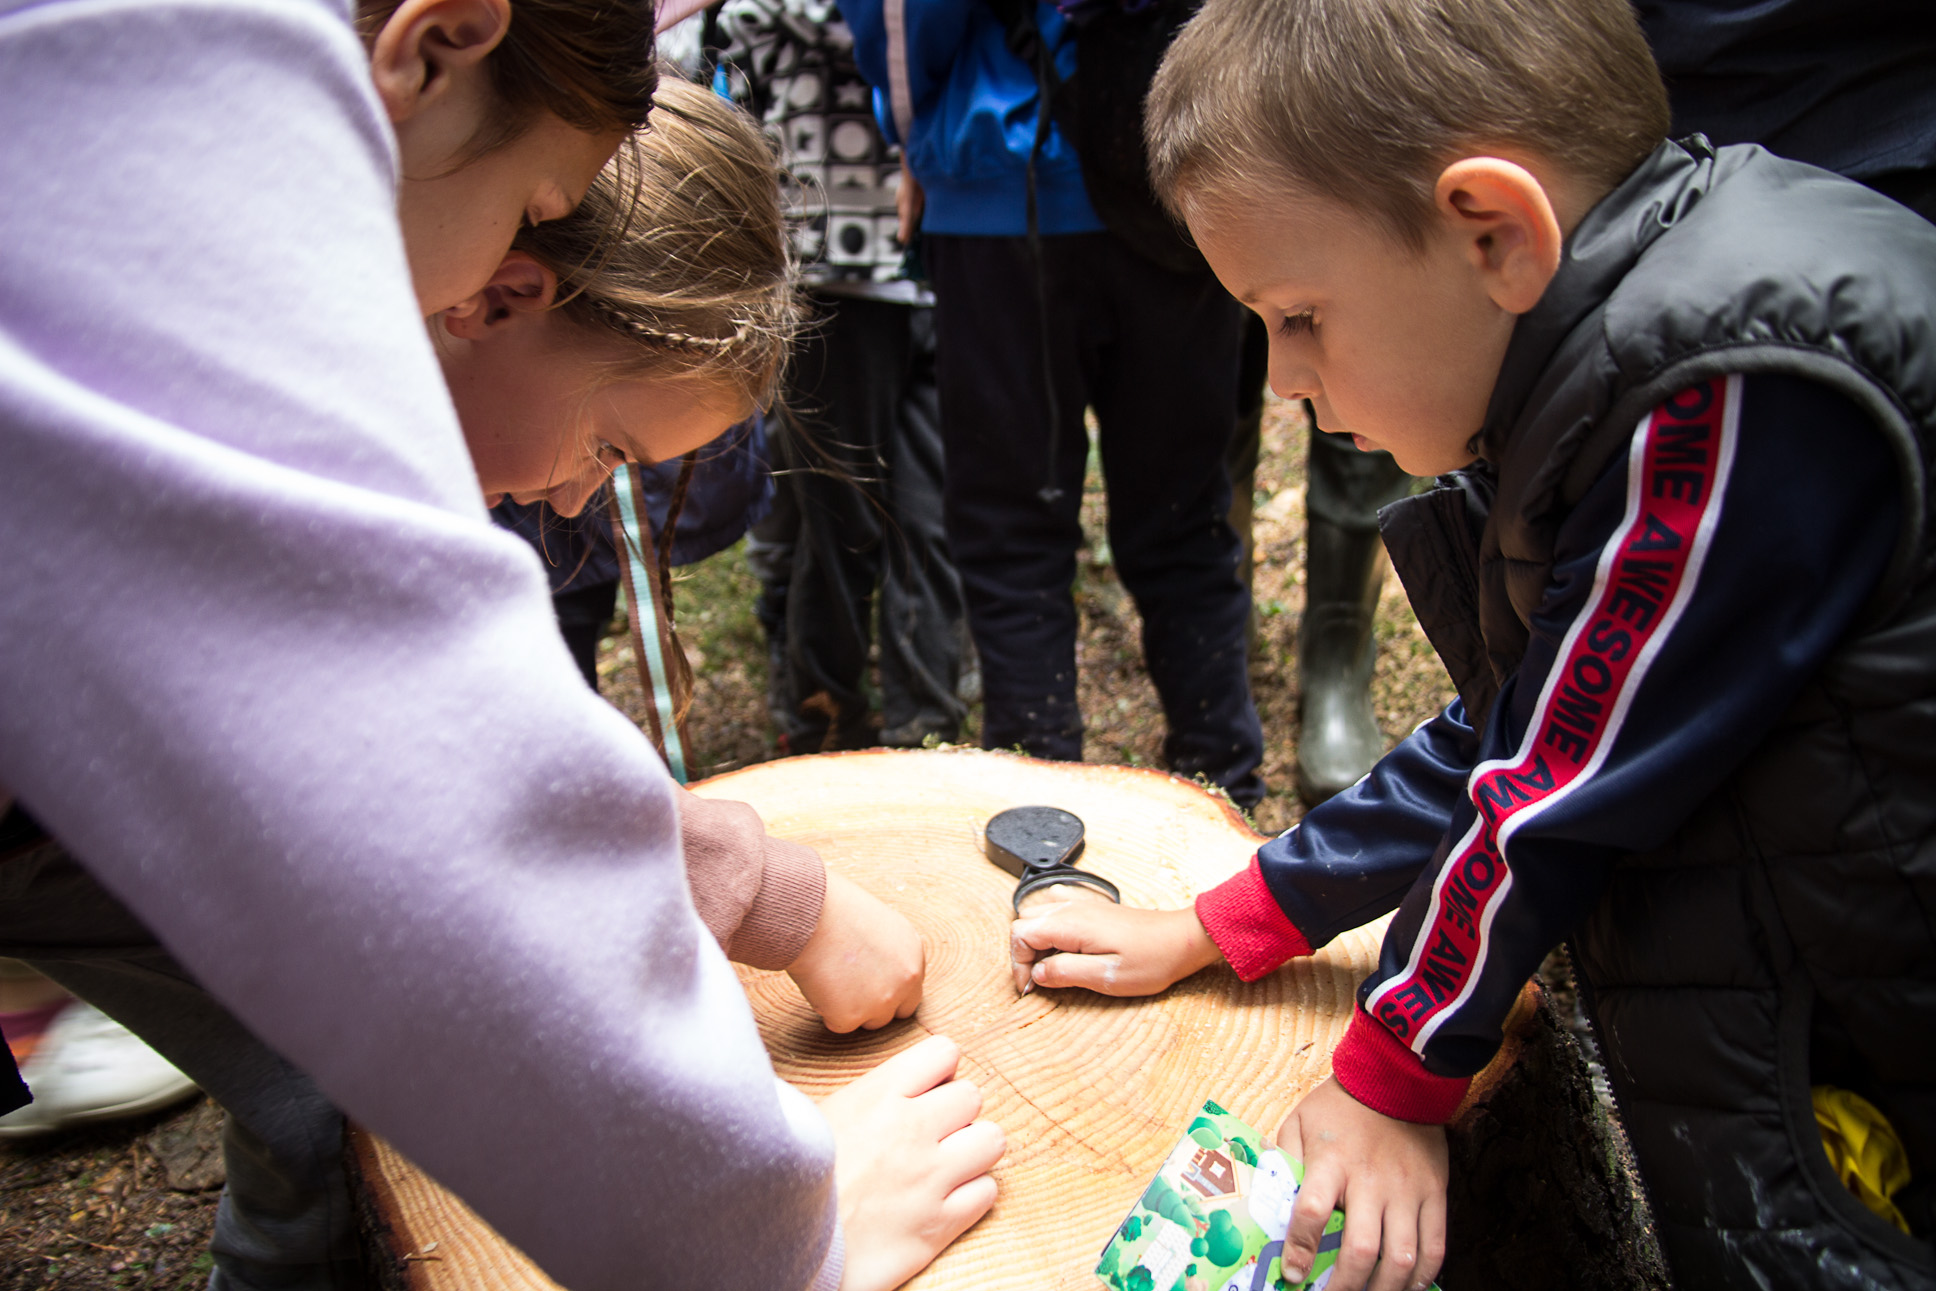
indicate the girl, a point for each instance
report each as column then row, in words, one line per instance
column 644, row 345
column 588, row 348
column 496, row 127
column 279, row 690
column 500, row 126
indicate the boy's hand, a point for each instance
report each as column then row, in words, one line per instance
column 1388, row 1175
column 864, row 963
column 1108, row 948
column 911, row 1163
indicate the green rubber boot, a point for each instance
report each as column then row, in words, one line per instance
column 1344, row 571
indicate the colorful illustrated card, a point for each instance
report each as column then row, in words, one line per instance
column 1215, row 1216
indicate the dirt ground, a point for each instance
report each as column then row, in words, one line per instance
column 132, row 1205
column 129, row 1204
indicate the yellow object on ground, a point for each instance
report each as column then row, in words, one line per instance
column 1864, row 1149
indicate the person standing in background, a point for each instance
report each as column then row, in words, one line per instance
column 1344, row 573
column 859, row 528
column 1849, row 87
column 1044, row 306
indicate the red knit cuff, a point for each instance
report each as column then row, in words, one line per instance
column 1376, row 1068
column 1248, row 926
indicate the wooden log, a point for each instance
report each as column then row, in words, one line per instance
column 1093, row 1092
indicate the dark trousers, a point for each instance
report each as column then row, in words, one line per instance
column 863, row 466
column 1155, row 354
column 285, row 1220
column 583, row 613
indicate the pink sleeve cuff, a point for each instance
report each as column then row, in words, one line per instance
column 1376, row 1068
column 1248, row 926
column 786, row 910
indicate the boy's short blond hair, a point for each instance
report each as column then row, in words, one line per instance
column 1367, row 101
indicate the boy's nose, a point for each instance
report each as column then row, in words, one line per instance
column 1292, row 384
column 1290, row 378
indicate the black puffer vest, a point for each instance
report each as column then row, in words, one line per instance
column 1787, row 935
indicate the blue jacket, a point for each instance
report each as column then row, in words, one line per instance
column 973, row 115
column 731, row 491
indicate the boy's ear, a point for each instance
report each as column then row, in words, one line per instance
column 521, row 289
column 425, row 42
column 1506, row 223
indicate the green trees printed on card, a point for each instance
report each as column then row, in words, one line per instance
column 1225, row 1240
column 1163, row 1200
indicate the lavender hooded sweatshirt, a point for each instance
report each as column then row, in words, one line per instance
column 267, row 670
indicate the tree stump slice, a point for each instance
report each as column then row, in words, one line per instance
column 1093, row 1092
column 420, row 1237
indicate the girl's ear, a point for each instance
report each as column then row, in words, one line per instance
column 425, row 42
column 521, row 290
column 1506, row 226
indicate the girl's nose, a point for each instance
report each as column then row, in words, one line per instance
column 569, row 498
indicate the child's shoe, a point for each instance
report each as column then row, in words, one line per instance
column 87, row 1067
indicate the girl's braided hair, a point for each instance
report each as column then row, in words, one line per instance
column 680, row 245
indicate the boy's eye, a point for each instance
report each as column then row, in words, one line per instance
column 1295, row 323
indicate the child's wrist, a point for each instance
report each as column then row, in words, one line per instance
column 1196, row 950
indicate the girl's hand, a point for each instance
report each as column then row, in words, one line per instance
column 911, row 1162
column 1105, row 947
column 864, row 964
column 1388, row 1175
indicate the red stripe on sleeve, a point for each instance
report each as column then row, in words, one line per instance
column 1376, row 1068
column 1248, row 925
column 1678, row 470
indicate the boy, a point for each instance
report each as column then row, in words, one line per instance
column 1064, row 310
column 1679, row 567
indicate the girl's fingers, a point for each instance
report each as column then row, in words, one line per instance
column 915, row 1071
column 966, row 1204
column 947, row 1108
column 972, row 1151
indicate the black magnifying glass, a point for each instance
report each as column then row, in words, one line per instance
column 1039, row 845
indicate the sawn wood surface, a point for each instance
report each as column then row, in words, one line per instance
column 1093, row 1092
